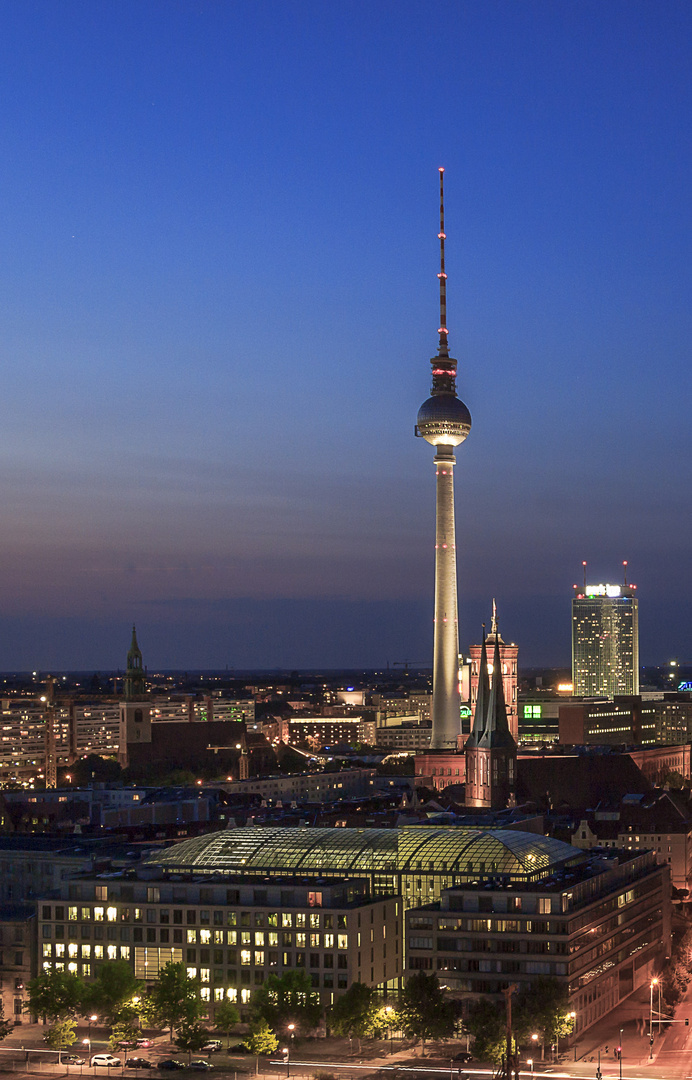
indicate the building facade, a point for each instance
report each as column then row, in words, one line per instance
column 605, row 640
column 599, row 929
column 230, row 933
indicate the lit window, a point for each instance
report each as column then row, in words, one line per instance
column 245, row 956
column 112, row 951
column 112, row 914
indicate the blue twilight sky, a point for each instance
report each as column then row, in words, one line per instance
column 218, row 303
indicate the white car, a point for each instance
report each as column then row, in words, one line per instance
column 105, row 1059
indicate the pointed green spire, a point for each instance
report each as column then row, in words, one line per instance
column 134, row 686
column 482, row 697
column 497, row 734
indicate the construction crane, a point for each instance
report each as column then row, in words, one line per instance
column 49, row 716
column 405, row 664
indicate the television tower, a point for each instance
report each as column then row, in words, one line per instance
column 444, row 422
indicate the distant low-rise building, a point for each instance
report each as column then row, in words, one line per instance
column 643, row 823
column 17, row 957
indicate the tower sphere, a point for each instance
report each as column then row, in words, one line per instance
column 443, row 420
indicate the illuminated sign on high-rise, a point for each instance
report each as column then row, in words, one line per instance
column 603, row 590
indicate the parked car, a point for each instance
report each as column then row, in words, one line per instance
column 106, row 1059
column 143, row 1043
column 171, row 1063
column 212, row 1046
column 464, row 1056
column 72, row 1059
column 138, row 1063
column 200, row 1064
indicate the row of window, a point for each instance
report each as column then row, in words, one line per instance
column 287, row 938
column 284, row 919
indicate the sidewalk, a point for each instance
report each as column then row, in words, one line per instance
column 632, row 1016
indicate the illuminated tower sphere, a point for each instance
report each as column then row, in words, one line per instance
column 444, row 421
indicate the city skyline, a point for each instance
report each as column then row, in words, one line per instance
column 218, row 297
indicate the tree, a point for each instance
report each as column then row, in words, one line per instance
column 226, row 1016
column 261, row 1041
column 486, row 1023
column 424, row 1013
column 174, row 999
column 124, row 1030
column 6, row 1026
column 192, row 1036
column 113, row 990
column 356, row 1013
column 543, row 1009
column 289, row 998
column 61, row 1035
column 55, row 995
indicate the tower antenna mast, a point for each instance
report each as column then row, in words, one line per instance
column 443, row 348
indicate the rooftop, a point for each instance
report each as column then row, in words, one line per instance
column 435, row 849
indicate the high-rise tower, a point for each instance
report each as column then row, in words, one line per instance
column 444, row 422
column 605, row 639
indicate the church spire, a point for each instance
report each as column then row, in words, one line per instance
column 482, row 698
column 134, row 684
column 497, row 734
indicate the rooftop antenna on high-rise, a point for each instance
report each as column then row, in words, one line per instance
column 584, row 565
column 624, row 563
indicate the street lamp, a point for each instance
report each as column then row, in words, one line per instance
column 654, row 982
column 529, row 1062
column 284, row 1050
column 87, row 1043
column 534, row 1040
column 573, row 1018
column 620, row 1053
column 389, row 1012
column 292, row 1029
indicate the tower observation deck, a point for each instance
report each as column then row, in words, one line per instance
column 444, row 422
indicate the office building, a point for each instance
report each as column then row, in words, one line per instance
column 605, row 640
column 600, row 927
column 231, row 933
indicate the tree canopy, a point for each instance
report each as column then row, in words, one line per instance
column 543, row 1009
column 174, row 998
column 112, row 990
column 261, row 1041
column 226, row 1016
column 286, row 999
column 191, row 1036
column 357, row 1013
column 485, row 1022
column 424, row 1013
column 56, row 995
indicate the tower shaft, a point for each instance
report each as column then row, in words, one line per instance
column 446, row 722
